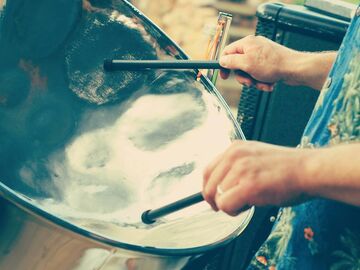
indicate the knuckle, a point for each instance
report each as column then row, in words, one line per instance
column 226, row 50
column 250, row 37
column 229, row 48
column 250, row 144
column 261, row 38
column 233, row 154
column 236, row 143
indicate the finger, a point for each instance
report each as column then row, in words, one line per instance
column 267, row 87
column 240, row 210
column 206, row 176
column 232, row 178
column 234, row 47
column 234, row 61
column 228, row 182
column 224, row 73
column 216, row 171
column 215, row 179
column 234, row 199
column 210, row 168
column 244, row 80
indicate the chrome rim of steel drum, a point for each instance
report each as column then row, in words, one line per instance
column 89, row 151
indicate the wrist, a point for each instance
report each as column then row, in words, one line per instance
column 305, row 172
column 295, row 67
column 308, row 69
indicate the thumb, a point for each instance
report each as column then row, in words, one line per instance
column 233, row 61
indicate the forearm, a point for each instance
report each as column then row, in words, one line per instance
column 309, row 69
column 333, row 173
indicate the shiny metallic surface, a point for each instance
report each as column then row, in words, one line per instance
column 83, row 152
column 29, row 241
column 220, row 39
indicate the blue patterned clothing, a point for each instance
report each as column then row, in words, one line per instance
column 323, row 234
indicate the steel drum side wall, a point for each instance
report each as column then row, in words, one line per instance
column 30, row 242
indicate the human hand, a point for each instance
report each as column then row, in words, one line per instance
column 266, row 61
column 253, row 173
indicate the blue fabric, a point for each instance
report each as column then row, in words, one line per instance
column 323, row 234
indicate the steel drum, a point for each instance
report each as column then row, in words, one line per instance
column 84, row 152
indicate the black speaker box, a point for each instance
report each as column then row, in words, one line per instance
column 279, row 117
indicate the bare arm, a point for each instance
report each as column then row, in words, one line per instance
column 269, row 62
column 309, row 69
column 333, row 173
column 254, row 173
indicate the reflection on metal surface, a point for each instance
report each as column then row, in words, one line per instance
column 28, row 242
column 84, row 153
column 217, row 43
column 85, row 70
